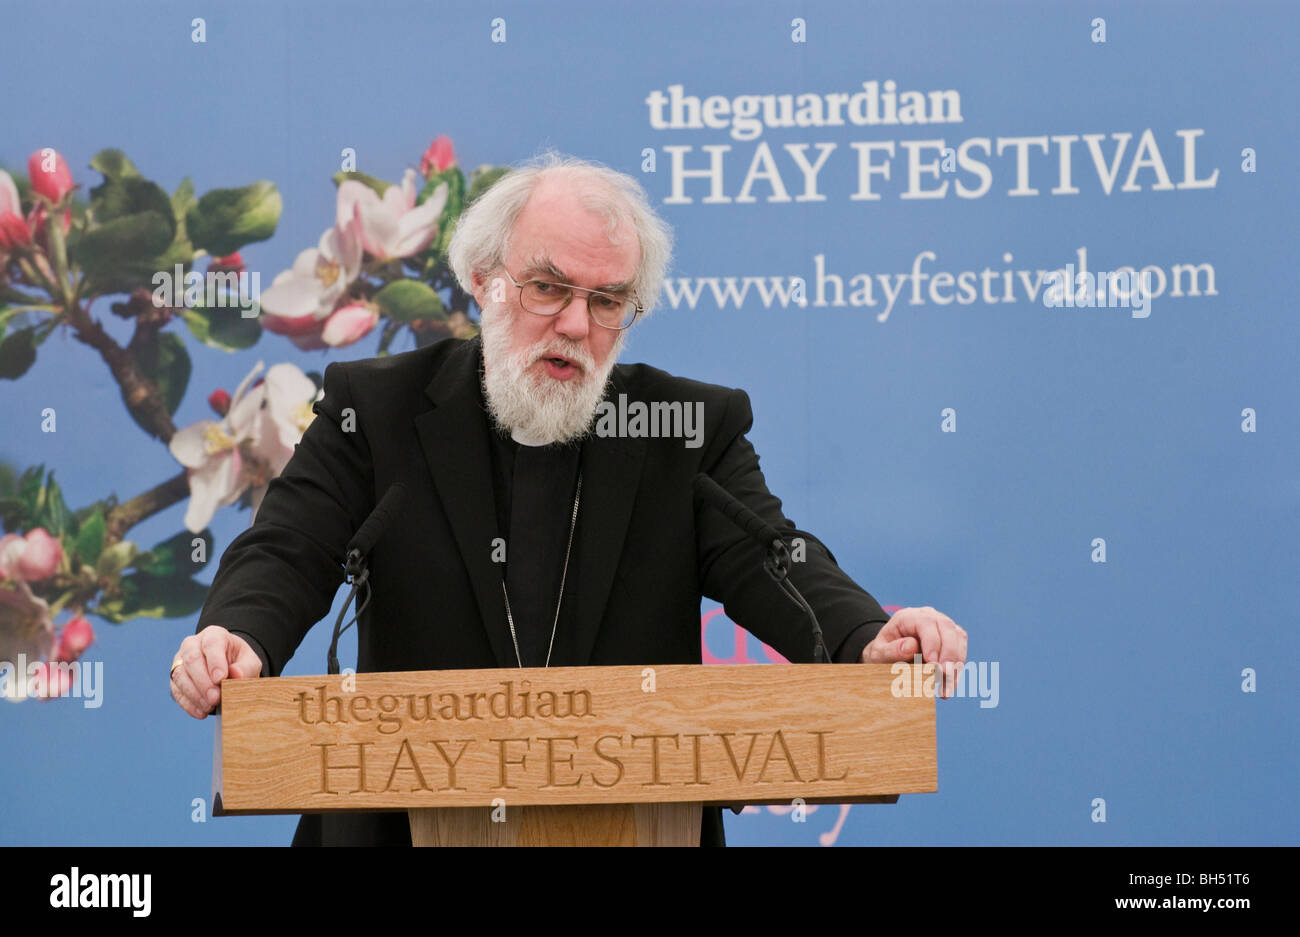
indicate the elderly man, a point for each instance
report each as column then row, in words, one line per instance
column 496, row 440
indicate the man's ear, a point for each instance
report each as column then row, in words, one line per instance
column 479, row 284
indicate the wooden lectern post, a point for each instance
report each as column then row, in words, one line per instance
column 573, row 755
column 542, row 825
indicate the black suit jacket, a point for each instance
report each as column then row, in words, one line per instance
column 645, row 551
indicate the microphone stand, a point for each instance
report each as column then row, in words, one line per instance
column 358, row 574
column 777, row 566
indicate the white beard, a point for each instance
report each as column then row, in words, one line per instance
column 538, row 410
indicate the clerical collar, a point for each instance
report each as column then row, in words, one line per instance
column 524, row 439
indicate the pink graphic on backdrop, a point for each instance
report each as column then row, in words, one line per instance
column 715, row 626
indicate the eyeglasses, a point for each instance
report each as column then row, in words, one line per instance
column 548, row 298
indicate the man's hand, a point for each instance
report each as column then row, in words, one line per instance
column 206, row 659
column 934, row 635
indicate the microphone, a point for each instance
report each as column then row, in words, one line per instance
column 776, row 562
column 739, row 514
column 354, row 564
column 373, row 527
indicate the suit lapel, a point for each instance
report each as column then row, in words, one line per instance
column 454, row 439
column 611, row 475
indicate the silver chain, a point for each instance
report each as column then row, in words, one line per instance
column 573, row 525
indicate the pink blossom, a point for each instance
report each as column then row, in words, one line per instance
column 75, row 637
column 54, row 182
column 349, row 324
column 391, row 226
column 14, row 232
column 231, row 263
column 290, row 325
column 42, row 557
column 26, row 627
column 219, row 401
column 12, row 547
column 32, row 558
column 303, row 331
column 249, row 446
column 9, row 201
column 439, row 156
column 300, row 299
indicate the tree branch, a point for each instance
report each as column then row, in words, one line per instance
column 139, row 393
column 158, row 498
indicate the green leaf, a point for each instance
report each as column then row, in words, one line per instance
column 140, row 271
column 17, row 353
column 455, row 180
column 90, row 539
column 183, row 199
column 223, row 327
column 18, row 317
column 146, row 596
column 134, row 224
column 408, row 300
column 225, row 220
column 136, row 233
column 379, row 186
column 181, row 250
column 115, row 558
column 13, row 514
column 114, row 165
column 482, row 179
column 455, row 204
column 172, row 557
column 54, row 515
column 31, row 488
column 114, row 199
column 164, row 360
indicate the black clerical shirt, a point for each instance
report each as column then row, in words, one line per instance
column 535, row 488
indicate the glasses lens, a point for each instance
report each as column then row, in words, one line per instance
column 543, row 297
column 613, row 312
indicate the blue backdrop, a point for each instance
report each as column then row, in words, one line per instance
column 967, row 454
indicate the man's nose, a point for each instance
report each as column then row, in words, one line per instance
column 573, row 321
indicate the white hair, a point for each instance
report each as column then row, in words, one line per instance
column 481, row 238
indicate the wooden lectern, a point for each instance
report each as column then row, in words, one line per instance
column 573, row 755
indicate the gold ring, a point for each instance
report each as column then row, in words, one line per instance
column 176, row 663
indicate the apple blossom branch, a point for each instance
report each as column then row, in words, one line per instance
column 383, row 260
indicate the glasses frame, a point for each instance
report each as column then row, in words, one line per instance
column 637, row 308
